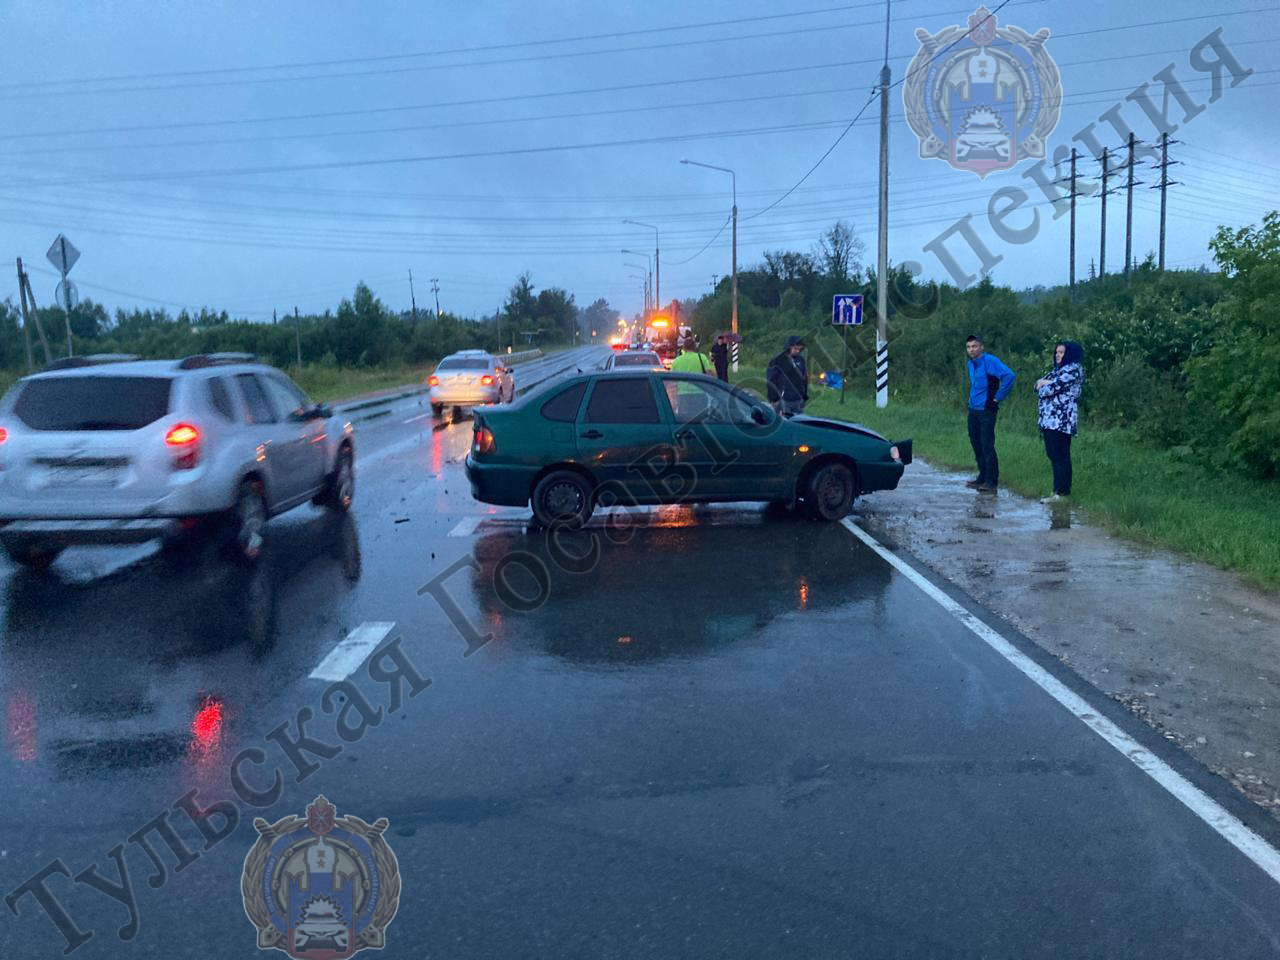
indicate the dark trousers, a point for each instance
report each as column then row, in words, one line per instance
column 1057, row 447
column 982, row 435
column 722, row 370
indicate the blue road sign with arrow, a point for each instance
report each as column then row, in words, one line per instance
column 846, row 309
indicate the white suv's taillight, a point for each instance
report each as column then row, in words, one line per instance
column 184, row 440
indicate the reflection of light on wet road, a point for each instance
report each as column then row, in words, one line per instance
column 20, row 725
column 206, row 726
column 802, row 593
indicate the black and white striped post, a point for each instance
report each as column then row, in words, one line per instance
column 882, row 372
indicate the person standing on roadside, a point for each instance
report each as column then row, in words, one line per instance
column 720, row 357
column 1059, row 391
column 989, row 383
column 689, row 360
column 788, row 379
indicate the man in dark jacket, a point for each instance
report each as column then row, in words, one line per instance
column 989, row 382
column 789, row 379
column 720, row 357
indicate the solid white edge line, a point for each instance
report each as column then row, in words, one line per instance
column 466, row 527
column 347, row 656
column 1193, row 798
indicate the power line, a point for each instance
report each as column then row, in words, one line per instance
column 384, row 58
column 367, row 111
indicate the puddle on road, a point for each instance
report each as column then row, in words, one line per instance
column 693, row 582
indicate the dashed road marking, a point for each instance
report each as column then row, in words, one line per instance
column 421, row 416
column 466, row 527
column 347, row 656
column 1193, row 798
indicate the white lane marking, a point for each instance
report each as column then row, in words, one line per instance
column 421, row 416
column 466, row 528
column 1210, row 811
column 347, row 656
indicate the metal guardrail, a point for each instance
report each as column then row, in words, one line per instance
column 556, row 365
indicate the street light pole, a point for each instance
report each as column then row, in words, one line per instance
column 657, row 261
column 733, row 347
column 882, row 244
column 648, row 258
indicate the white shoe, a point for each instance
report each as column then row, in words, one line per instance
column 1053, row 498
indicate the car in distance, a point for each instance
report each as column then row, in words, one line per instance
column 469, row 378
column 661, row 437
column 638, row 359
column 104, row 450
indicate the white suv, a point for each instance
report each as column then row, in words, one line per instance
column 117, row 450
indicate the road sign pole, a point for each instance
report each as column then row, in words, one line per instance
column 844, row 369
column 66, row 305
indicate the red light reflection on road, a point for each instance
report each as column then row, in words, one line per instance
column 206, row 726
column 20, row 725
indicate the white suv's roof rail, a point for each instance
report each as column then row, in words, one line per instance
column 201, row 360
column 91, row 360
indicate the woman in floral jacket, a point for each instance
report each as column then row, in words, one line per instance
column 1059, row 391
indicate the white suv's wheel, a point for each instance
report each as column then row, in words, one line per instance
column 248, row 520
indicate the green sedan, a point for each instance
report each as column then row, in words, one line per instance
column 650, row 437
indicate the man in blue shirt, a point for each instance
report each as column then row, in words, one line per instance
column 989, row 382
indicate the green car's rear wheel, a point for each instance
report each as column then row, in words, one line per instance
column 829, row 493
column 562, row 493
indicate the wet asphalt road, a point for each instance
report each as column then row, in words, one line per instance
column 739, row 735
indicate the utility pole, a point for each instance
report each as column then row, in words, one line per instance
column 274, row 321
column 1071, row 259
column 882, row 245
column 435, row 288
column 1164, row 185
column 35, row 316
column 26, row 320
column 413, row 301
column 715, row 281
column 1128, row 213
column 297, row 336
column 1102, row 242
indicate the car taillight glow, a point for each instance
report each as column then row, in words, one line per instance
column 483, row 441
column 433, row 381
column 894, row 453
column 486, row 381
column 184, row 440
column 181, row 435
column 4, row 434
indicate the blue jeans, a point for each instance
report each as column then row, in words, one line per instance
column 982, row 436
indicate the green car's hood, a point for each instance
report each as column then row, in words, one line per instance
column 823, row 423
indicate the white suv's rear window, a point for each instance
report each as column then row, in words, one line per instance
column 92, row 403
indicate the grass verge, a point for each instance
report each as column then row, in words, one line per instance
column 1129, row 488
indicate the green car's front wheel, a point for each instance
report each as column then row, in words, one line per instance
column 562, row 493
column 829, row 492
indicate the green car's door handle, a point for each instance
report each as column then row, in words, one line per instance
column 591, row 435
column 684, row 435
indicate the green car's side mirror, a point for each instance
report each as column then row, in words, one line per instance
column 760, row 416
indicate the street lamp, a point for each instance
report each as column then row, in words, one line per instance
column 733, row 347
column 657, row 262
column 648, row 258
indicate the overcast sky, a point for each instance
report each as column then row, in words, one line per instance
column 254, row 156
